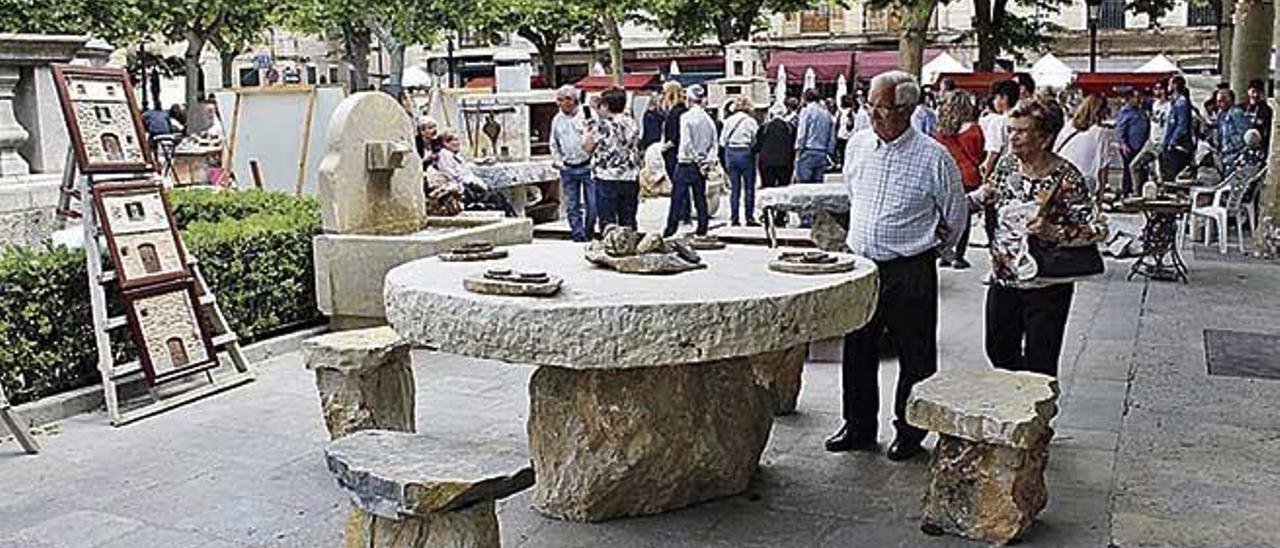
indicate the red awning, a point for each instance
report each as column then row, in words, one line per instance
column 826, row 65
column 687, row 64
column 632, row 82
column 536, row 81
column 1116, row 83
column 976, row 82
column 867, row 64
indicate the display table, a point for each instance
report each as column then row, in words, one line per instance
column 827, row 203
column 644, row 400
column 1160, row 259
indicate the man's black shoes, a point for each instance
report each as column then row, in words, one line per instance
column 850, row 439
column 903, row 449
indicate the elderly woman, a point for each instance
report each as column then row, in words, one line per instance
column 958, row 130
column 1042, row 201
column 739, row 141
column 613, row 141
column 454, row 178
column 427, row 141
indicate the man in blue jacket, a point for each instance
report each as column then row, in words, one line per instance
column 1132, row 130
column 1229, row 130
column 1179, row 143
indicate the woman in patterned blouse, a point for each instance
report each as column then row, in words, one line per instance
column 613, row 141
column 1026, row 315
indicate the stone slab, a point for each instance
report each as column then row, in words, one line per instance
column 736, row 307
column 502, row 175
column 392, row 474
column 991, row 406
column 808, row 198
column 347, row 351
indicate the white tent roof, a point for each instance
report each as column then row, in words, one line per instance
column 1049, row 71
column 1159, row 63
column 416, row 76
column 941, row 64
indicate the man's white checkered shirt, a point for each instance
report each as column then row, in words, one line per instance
column 905, row 196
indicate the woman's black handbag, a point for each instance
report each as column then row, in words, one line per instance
column 1056, row 261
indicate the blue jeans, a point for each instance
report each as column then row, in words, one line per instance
column 741, row 164
column 811, row 165
column 689, row 177
column 617, row 202
column 579, row 193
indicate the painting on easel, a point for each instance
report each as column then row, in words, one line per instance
column 140, row 233
column 105, row 124
column 171, row 336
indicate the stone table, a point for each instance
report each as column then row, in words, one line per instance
column 827, row 202
column 645, row 400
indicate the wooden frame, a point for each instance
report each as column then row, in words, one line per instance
column 62, row 75
column 133, row 300
column 106, row 191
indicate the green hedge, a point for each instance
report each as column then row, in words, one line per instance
column 254, row 250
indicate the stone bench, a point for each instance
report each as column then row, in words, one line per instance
column 417, row 491
column 988, row 469
column 364, row 379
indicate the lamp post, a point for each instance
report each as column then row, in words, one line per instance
column 1095, row 11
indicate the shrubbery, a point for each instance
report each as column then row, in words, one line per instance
column 254, row 249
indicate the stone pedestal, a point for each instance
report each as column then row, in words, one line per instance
column 364, row 379
column 616, row 443
column 830, row 230
column 988, row 471
column 415, row 491
column 12, row 135
column 779, row 373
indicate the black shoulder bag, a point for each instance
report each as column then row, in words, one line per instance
column 1059, row 261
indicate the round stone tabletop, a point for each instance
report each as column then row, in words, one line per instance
column 603, row 319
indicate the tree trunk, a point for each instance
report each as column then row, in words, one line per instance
column 1226, row 37
column 191, row 63
column 356, row 43
column 1251, row 44
column 1269, row 196
column 547, row 58
column 394, row 48
column 986, row 39
column 915, row 23
column 615, row 45
column 228, row 59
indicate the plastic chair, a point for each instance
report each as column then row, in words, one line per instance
column 1233, row 197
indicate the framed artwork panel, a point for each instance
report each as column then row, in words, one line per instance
column 169, row 331
column 141, row 233
column 103, row 120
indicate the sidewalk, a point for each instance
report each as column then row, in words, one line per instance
column 1190, row 464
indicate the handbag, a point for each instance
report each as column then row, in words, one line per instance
column 1059, row 261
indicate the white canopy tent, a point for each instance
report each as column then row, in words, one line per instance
column 417, row 76
column 942, row 64
column 1159, row 63
column 810, row 79
column 1051, row 72
column 675, row 67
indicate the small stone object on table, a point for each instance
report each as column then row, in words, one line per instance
column 417, row 491
column 812, row 262
column 476, row 250
column 988, row 469
column 502, row 281
column 1160, row 259
column 630, row 252
column 364, row 379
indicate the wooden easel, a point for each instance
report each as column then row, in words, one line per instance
column 225, row 341
column 25, row 439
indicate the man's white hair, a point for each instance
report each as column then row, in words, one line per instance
column 568, row 91
column 906, row 91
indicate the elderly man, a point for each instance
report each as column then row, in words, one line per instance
column 698, row 148
column 574, row 163
column 1229, row 129
column 906, row 203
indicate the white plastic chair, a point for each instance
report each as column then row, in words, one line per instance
column 1233, row 197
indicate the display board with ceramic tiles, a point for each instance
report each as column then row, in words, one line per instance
column 171, row 336
column 104, row 122
column 140, row 233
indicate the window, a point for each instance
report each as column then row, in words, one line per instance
column 1203, row 15
column 737, row 69
column 816, row 21
column 1112, row 15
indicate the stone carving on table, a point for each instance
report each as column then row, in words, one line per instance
column 988, row 469
column 417, row 491
column 107, row 134
column 364, row 379
column 170, row 334
column 502, row 281
column 625, row 250
column 475, row 250
column 363, row 192
column 140, row 233
column 812, row 262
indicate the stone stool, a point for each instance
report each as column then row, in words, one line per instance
column 779, row 373
column 364, row 380
column 416, row 491
column 988, row 470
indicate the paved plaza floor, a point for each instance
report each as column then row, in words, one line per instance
column 1150, row 449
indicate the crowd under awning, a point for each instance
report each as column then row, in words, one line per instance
column 1116, row 83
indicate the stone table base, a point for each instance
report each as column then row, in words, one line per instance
column 629, row 442
column 473, row 527
column 364, row 379
column 983, row 491
column 780, row 373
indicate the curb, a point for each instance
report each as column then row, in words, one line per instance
column 88, row 399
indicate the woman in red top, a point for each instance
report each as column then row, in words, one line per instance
column 958, row 130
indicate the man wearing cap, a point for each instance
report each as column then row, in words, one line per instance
column 698, row 146
column 567, row 155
